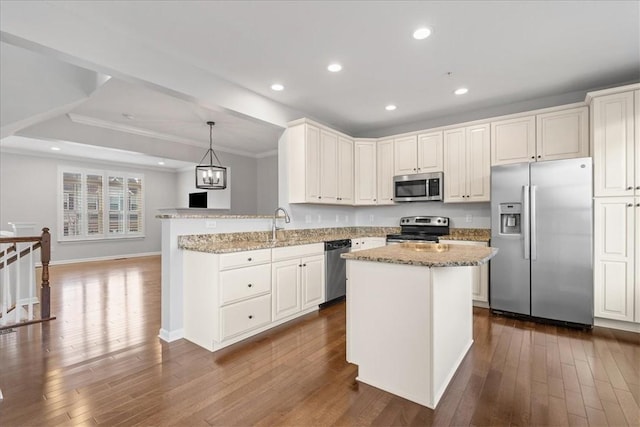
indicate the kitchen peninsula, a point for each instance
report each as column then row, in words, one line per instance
column 409, row 315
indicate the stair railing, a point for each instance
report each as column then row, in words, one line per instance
column 12, row 300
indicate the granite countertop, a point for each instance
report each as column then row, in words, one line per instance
column 247, row 241
column 426, row 254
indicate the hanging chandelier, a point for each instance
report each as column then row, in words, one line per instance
column 211, row 177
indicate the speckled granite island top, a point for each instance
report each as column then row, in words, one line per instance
column 426, row 254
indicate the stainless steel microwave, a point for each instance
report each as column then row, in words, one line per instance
column 419, row 187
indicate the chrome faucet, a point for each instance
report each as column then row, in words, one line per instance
column 275, row 228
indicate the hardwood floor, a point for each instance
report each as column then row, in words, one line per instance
column 101, row 362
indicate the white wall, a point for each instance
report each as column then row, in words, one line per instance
column 267, row 184
column 28, row 193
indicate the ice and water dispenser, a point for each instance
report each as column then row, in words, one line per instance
column 510, row 218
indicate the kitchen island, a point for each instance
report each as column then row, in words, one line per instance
column 409, row 315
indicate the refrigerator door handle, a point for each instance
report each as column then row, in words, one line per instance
column 534, row 246
column 525, row 221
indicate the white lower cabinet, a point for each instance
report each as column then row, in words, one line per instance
column 230, row 297
column 616, row 241
column 480, row 284
column 298, row 279
column 367, row 243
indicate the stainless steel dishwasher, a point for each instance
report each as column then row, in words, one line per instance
column 335, row 268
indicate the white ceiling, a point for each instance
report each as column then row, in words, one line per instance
column 504, row 52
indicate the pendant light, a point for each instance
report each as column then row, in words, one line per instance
column 211, row 177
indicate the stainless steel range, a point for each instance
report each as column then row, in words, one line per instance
column 420, row 228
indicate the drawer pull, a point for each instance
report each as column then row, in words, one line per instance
column 251, row 316
column 249, row 259
column 250, row 285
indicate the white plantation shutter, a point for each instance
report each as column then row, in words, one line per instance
column 72, row 204
column 115, row 190
column 100, row 204
column 134, row 205
column 94, row 197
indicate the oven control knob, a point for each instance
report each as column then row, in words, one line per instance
column 438, row 221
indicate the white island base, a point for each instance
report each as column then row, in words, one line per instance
column 408, row 327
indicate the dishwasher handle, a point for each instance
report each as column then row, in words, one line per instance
column 337, row 244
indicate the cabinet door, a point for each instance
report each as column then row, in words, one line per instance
column 365, row 167
column 312, row 163
column 345, row 171
column 430, row 152
column 328, row 167
column 513, row 141
column 373, row 242
column 454, row 166
column 613, row 145
column 385, row 171
column 285, row 279
column 480, row 283
column 312, row 281
column 637, row 260
column 636, row 96
column 563, row 134
column 405, row 155
column 614, row 257
column 478, row 164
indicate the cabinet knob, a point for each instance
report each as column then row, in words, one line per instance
column 374, row 200
column 629, row 188
column 638, row 205
column 250, row 285
column 638, row 187
column 251, row 316
column 319, row 197
column 299, row 265
column 249, row 259
column 533, row 157
column 539, row 157
column 629, row 205
column 414, row 169
column 304, row 265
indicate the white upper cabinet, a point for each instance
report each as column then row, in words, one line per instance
column 556, row 135
column 418, row 154
column 430, row 156
column 467, row 164
column 320, row 165
column 345, row 171
column 562, row 134
column 406, row 155
column 614, row 146
column 365, row 172
column 328, row 167
column 385, row 171
column 513, row 141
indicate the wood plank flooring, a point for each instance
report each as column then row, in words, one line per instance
column 101, row 362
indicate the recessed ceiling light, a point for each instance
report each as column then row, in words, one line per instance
column 421, row 33
column 334, row 68
column 161, row 163
column 461, row 91
column 390, row 107
column 55, row 148
column 277, row 87
column 128, row 116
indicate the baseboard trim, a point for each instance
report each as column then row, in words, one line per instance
column 101, row 258
column 617, row 324
column 170, row 336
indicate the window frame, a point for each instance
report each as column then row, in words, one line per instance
column 84, row 211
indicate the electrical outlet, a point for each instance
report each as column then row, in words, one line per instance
column 370, row 218
column 337, row 218
column 319, row 218
column 469, row 218
column 210, row 224
column 346, row 218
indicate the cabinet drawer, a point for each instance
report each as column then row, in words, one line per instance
column 289, row 252
column 244, row 259
column 245, row 282
column 244, row 316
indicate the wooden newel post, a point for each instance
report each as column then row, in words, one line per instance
column 45, row 257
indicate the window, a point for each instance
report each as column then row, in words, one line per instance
column 100, row 204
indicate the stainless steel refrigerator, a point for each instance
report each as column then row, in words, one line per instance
column 541, row 221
